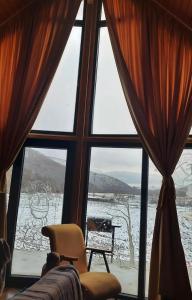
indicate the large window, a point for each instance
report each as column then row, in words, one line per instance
column 84, row 162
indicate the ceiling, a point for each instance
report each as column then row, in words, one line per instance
column 9, row 8
column 181, row 9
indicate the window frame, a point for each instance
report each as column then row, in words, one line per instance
column 143, row 208
column 14, row 199
column 81, row 24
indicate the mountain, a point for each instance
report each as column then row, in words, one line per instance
column 41, row 172
column 101, row 183
column 132, row 178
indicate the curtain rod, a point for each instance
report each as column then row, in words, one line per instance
column 172, row 14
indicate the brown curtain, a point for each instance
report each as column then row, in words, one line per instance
column 153, row 54
column 31, row 45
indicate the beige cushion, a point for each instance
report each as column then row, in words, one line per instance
column 99, row 285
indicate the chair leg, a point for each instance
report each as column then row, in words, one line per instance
column 113, row 241
column 106, row 262
column 90, row 260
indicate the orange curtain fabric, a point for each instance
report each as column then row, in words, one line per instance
column 153, row 54
column 31, row 45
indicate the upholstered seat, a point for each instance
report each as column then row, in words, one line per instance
column 100, row 283
column 68, row 241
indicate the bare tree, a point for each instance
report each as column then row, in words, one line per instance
column 123, row 211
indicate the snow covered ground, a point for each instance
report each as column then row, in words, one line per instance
column 31, row 247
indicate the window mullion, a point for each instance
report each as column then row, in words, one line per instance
column 83, row 111
column 143, row 226
column 14, row 202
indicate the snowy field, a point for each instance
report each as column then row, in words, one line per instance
column 31, row 247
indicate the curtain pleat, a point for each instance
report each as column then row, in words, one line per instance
column 153, row 54
column 31, row 45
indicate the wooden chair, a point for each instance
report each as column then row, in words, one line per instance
column 68, row 241
column 101, row 225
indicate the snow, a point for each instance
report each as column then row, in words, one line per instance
column 31, row 247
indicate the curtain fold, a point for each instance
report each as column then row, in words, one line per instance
column 31, row 45
column 154, row 59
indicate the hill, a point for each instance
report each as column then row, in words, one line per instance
column 101, row 183
column 39, row 168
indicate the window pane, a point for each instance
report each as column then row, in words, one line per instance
column 8, row 176
column 80, row 12
column 114, row 201
column 111, row 114
column 154, row 186
column 183, row 184
column 58, row 109
column 103, row 13
column 41, row 202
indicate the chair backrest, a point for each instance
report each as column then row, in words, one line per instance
column 99, row 224
column 67, row 239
